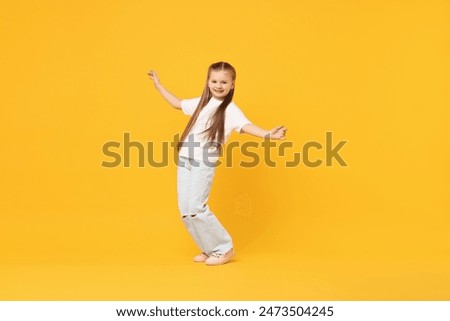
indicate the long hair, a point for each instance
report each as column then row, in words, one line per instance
column 215, row 133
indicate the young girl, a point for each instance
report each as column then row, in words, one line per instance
column 213, row 117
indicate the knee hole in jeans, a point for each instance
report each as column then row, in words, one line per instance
column 192, row 215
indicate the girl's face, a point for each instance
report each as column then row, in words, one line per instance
column 220, row 83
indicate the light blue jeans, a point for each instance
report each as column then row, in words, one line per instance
column 194, row 179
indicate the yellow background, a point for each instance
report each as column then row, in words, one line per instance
column 375, row 73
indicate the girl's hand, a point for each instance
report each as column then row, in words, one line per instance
column 154, row 76
column 278, row 133
column 171, row 99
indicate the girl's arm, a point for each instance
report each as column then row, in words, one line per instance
column 174, row 101
column 278, row 132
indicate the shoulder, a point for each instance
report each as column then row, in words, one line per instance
column 233, row 110
column 188, row 105
column 232, row 107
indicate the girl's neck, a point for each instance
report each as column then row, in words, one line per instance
column 216, row 99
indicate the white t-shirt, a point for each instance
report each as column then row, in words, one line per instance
column 234, row 120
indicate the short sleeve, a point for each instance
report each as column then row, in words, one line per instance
column 236, row 118
column 188, row 106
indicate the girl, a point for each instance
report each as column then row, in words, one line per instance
column 213, row 117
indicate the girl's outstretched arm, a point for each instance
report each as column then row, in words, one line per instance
column 174, row 101
column 278, row 132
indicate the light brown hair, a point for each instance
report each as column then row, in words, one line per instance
column 215, row 133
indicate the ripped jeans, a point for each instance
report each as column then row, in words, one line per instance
column 194, row 181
